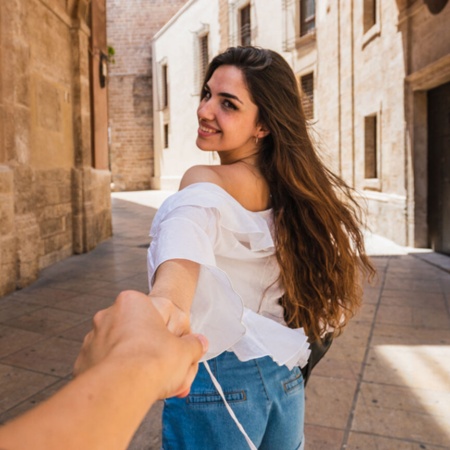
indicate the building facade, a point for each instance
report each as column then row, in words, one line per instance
column 54, row 181
column 375, row 80
column 130, row 27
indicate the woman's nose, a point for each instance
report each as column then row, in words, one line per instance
column 205, row 110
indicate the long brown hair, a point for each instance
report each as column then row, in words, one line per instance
column 318, row 238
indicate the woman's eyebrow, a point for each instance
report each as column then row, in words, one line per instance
column 225, row 94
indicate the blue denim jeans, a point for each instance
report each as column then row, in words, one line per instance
column 267, row 399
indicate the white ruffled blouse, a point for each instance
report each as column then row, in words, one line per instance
column 236, row 303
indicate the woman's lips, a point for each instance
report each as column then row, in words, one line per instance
column 206, row 131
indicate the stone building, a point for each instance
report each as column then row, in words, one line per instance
column 375, row 78
column 54, row 177
column 130, row 27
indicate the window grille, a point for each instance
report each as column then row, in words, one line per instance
column 245, row 26
column 307, row 16
column 203, row 57
column 307, row 85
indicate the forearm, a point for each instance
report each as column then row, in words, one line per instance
column 173, row 292
column 100, row 409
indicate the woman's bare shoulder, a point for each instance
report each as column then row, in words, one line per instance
column 249, row 190
column 201, row 174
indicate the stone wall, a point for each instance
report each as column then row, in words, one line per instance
column 52, row 202
column 131, row 25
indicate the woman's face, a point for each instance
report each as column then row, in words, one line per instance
column 227, row 116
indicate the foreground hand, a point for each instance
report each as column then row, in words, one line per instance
column 133, row 332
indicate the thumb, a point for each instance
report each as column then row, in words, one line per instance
column 197, row 345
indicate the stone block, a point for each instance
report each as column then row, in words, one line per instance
column 18, row 384
column 48, row 106
column 56, row 242
column 8, row 266
column 48, row 259
column 22, row 134
column 47, row 194
column 6, row 214
column 24, row 193
column 51, row 211
column 27, row 241
column 52, row 176
column 6, row 180
column 21, row 62
column 51, row 227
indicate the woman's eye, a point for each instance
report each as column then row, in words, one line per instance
column 227, row 104
column 206, row 94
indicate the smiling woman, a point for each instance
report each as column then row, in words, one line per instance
column 266, row 252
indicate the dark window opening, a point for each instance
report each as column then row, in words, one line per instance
column 307, row 16
column 204, row 57
column 307, row 85
column 370, row 147
column 245, row 25
column 369, row 14
column 165, row 87
column 166, row 135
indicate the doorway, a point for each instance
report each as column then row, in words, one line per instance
column 438, row 216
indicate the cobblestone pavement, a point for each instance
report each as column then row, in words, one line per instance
column 385, row 383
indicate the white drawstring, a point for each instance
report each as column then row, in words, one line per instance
column 233, row 416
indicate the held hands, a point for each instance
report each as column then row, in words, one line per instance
column 176, row 320
column 132, row 332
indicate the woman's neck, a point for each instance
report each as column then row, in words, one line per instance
column 251, row 160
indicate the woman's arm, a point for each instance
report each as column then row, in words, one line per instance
column 173, row 291
column 127, row 362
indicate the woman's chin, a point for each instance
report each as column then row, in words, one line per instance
column 204, row 146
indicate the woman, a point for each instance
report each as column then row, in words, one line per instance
column 254, row 253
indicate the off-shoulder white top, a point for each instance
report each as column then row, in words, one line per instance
column 236, row 303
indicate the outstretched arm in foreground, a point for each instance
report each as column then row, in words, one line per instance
column 127, row 362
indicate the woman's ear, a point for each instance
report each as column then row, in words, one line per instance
column 262, row 131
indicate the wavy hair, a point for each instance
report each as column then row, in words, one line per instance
column 318, row 238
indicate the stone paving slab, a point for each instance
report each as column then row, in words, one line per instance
column 384, row 384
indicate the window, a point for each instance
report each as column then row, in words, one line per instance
column 370, row 147
column 369, row 14
column 165, row 86
column 307, row 85
column 245, row 26
column 203, row 57
column 166, row 135
column 307, row 16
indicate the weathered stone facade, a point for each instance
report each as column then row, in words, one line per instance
column 381, row 71
column 131, row 25
column 53, row 202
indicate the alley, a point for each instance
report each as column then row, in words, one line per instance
column 385, row 384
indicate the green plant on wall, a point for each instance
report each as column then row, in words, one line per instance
column 111, row 53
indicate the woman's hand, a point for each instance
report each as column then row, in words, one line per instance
column 176, row 320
